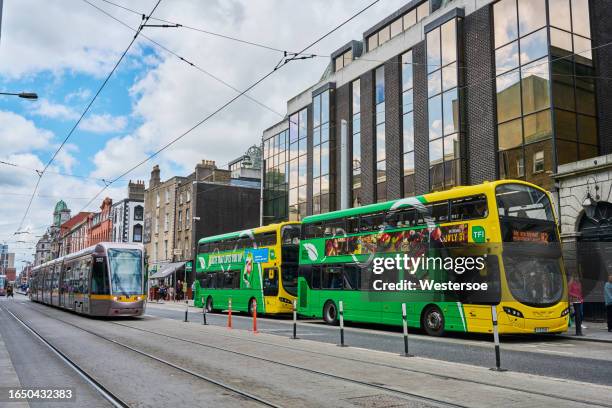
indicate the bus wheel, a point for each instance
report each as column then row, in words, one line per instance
column 330, row 313
column 251, row 306
column 433, row 321
column 209, row 304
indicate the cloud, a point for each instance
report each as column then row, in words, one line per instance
column 19, row 134
column 51, row 110
column 81, row 94
column 103, row 123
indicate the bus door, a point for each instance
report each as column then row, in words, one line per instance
column 355, row 306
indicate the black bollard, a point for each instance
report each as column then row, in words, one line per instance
column 203, row 313
column 294, row 320
column 405, row 324
column 496, row 340
column 341, row 313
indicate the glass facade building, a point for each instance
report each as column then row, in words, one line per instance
column 444, row 93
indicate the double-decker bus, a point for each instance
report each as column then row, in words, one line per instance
column 511, row 224
column 256, row 265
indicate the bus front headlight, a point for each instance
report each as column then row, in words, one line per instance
column 512, row 312
column 565, row 312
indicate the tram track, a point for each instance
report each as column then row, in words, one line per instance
column 509, row 388
column 329, row 375
column 114, row 400
column 107, row 393
column 379, row 387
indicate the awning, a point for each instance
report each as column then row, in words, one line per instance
column 169, row 269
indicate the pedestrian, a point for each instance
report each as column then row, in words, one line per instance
column 576, row 299
column 608, row 300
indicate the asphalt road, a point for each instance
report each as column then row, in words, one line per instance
column 542, row 355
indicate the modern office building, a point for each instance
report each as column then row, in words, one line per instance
column 445, row 93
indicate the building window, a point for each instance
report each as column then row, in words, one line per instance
column 444, row 107
column 188, row 198
column 297, row 164
column 180, row 220
column 356, row 141
column 343, row 60
column 166, row 222
column 381, row 152
column 181, row 198
column 187, row 219
column 137, row 233
column 156, row 222
column 167, row 193
column 396, row 27
column 157, row 198
column 138, row 213
column 321, row 183
column 276, row 178
column 407, row 125
column 165, row 250
column 156, row 252
column 538, row 161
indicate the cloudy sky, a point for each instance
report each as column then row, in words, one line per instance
column 63, row 50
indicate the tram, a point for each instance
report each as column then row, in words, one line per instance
column 3, row 283
column 106, row 279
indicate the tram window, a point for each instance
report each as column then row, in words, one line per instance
column 352, row 277
column 332, row 277
column 314, row 230
column 334, row 228
column 99, row 277
column 469, row 208
column 372, row 222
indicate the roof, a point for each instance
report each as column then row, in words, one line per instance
column 60, row 206
column 247, row 232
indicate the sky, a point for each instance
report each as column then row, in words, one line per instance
column 64, row 49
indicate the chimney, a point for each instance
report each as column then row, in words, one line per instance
column 136, row 190
column 155, row 178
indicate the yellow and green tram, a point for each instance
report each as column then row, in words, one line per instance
column 511, row 224
column 256, row 265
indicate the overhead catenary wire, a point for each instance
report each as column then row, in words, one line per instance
column 232, row 100
column 87, row 108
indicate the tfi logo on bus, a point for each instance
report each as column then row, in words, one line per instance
column 478, row 234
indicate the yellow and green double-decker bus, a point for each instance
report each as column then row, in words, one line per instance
column 256, row 265
column 510, row 225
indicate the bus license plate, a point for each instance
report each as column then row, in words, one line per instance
column 541, row 329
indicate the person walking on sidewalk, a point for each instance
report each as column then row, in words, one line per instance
column 608, row 300
column 576, row 299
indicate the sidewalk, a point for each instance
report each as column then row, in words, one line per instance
column 594, row 332
column 8, row 376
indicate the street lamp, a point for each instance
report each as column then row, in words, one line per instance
column 24, row 95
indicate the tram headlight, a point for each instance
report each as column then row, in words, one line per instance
column 115, row 298
column 512, row 312
column 565, row 312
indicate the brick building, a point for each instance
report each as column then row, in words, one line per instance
column 445, row 93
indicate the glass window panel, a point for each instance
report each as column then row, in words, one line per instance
column 559, row 14
column 381, row 172
column 508, row 96
column 435, row 152
column 423, row 11
column 409, row 19
column 384, row 35
column 357, row 149
column 293, row 196
column 380, row 142
column 534, row 46
column 581, row 18
column 408, row 132
column 408, row 164
column 451, row 147
column 407, row 71
column 293, row 128
column 582, row 47
column 532, row 15
column 563, row 85
column 356, row 96
column 565, row 125
column 316, row 161
column 316, row 110
column 511, row 164
column 380, row 113
column 450, row 110
column 316, row 186
column 567, row 152
column 293, row 173
column 433, row 50
column 324, row 184
column 396, row 27
column 303, row 146
column 449, row 76
column 293, row 150
column 324, row 158
column 372, row 42
column 435, row 117
column 325, row 107
column 357, row 123
column 585, row 101
column 537, row 126
column 325, row 132
column 505, row 22
column 560, row 42
column 535, row 86
column 302, row 174
column 587, row 151
column 449, row 42
column 587, row 129
column 407, row 101
column 380, row 84
column 339, row 63
column 303, row 122
column 510, row 134
column 434, row 83
column 348, row 57
column 316, row 136
column 507, row 57
column 302, row 194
